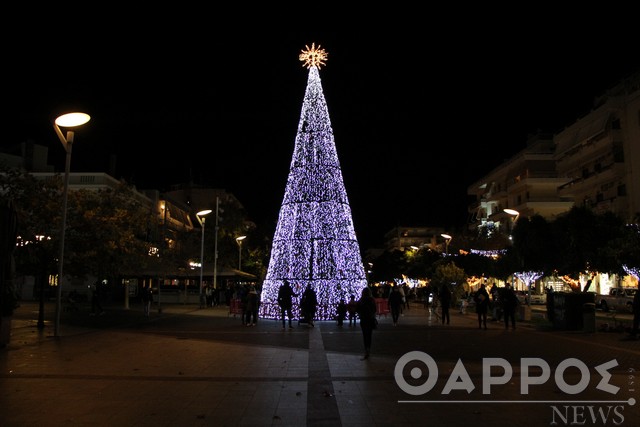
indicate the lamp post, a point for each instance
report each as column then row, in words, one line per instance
column 515, row 214
column 69, row 120
column 447, row 238
column 201, row 219
column 215, row 249
column 239, row 240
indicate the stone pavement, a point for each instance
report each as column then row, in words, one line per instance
column 188, row 366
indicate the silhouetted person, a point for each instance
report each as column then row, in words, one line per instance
column 96, row 307
column 285, row 301
column 481, row 299
column 395, row 304
column 366, row 308
column 445, row 303
column 509, row 305
column 146, row 300
column 309, row 304
column 251, row 308
column 341, row 312
column 352, row 309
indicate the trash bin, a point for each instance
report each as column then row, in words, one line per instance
column 524, row 313
column 568, row 313
column 589, row 317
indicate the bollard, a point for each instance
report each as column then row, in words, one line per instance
column 589, row 317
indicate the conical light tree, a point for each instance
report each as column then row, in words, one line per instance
column 315, row 241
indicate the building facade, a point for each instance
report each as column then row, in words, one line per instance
column 593, row 162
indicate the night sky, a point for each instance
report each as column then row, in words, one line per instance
column 420, row 108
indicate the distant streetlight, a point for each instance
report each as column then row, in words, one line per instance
column 202, row 222
column 447, row 238
column 239, row 240
column 70, row 120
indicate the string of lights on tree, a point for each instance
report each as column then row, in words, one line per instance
column 315, row 241
column 528, row 277
column 632, row 271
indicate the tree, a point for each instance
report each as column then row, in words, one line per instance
column 447, row 273
column 315, row 242
column 535, row 245
column 389, row 265
column 585, row 241
column 38, row 206
column 108, row 231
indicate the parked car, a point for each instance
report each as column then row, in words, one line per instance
column 619, row 299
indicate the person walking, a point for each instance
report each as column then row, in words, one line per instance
column 481, row 299
column 96, row 307
column 496, row 304
column 208, row 293
column 285, row 301
column 366, row 308
column 251, row 308
column 445, row 303
column 309, row 304
column 407, row 291
column 509, row 305
column 395, row 304
column 352, row 309
column 636, row 313
column 402, row 297
column 146, row 300
column 341, row 312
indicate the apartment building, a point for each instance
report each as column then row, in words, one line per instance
column 595, row 162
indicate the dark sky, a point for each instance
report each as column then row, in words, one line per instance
column 421, row 108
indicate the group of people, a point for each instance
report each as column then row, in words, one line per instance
column 504, row 300
column 507, row 300
column 308, row 304
column 364, row 308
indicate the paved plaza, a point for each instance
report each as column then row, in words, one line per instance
column 186, row 366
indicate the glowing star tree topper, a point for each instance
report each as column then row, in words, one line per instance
column 313, row 57
column 314, row 243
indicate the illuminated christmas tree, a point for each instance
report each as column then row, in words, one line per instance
column 315, row 241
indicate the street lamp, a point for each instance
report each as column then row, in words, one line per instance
column 215, row 247
column 447, row 238
column 202, row 222
column 69, row 120
column 515, row 214
column 239, row 242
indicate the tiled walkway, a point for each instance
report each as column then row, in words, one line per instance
column 192, row 367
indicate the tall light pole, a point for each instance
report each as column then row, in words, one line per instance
column 447, row 238
column 515, row 214
column 69, row 120
column 239, row 240
column 215, row 248
column 201, row 219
